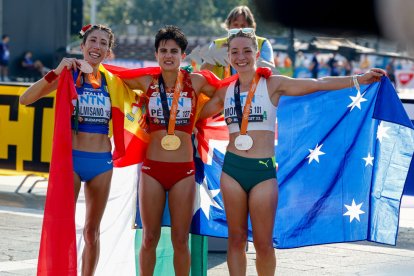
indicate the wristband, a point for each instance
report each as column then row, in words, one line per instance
column 50, row 76
column 355, row 81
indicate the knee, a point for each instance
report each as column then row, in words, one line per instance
column 264, row 249
column 238, row 240
column 91, row 235
column 179, row 241
column 150, row 239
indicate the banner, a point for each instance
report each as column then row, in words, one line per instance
column 26, row 132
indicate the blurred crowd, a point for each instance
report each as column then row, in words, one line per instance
column 318, row 64
column 304, row 65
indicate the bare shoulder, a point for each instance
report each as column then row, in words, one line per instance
column 201, row 84
column 274, row 81
column 196, row 82
column 275, row 84
column 277, row 78
column 197, row 78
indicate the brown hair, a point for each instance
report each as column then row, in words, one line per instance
column 241, row 10
column 101, row 28
column 251, row 36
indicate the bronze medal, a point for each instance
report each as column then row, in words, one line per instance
column 85, row 67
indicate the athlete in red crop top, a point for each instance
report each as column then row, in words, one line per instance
column 186, row 106
column 169, row 158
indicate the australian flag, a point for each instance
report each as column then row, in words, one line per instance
column 343, row 158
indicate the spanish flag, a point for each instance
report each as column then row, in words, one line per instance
column 127, row 109
column 57, row 253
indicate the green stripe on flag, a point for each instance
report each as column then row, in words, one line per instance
column 199, row 255
column 165, row 253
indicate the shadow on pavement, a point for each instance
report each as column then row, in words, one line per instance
column 22, row 200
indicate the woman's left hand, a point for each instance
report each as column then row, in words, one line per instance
column 371, row 76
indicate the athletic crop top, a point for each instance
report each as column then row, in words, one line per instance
column 94, row 108
column 186, row 106
column 262, row 112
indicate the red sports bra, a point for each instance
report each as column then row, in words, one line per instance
column 186, row 106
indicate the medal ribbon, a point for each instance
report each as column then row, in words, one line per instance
column 244, row 118
column 94, row 81
column 170, row 115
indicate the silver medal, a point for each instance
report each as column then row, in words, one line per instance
column 243, row 142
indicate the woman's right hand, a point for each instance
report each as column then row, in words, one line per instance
column 43, row 87
column 69, row 63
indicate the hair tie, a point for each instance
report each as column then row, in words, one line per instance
column 84, row 30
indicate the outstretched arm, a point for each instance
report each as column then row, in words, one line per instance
column 138, row 78
column 299, row 87
column 138, row 83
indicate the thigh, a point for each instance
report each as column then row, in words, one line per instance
column 96, row 196
column 151, row 202
column 262, row 206
column 235, row 204
column 76, row 184
column 181, row 203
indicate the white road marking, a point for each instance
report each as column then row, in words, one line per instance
column 18, row 265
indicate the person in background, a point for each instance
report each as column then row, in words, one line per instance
column 364, row 64
column 390, row 69
column 33, row 68
column 240, row 17
column 4, row 58
column 287, row 62
column 333, row 65
column 347, row 64
column 299, row 60
column 314, row 65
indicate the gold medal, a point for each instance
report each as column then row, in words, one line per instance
column 170, row 142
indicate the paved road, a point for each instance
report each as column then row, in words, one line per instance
column 20, row 225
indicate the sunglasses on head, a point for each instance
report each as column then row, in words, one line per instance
column 243, row 30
